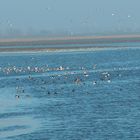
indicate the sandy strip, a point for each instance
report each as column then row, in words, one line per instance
column 69, row 40
column 43, row 50
column 65, row 41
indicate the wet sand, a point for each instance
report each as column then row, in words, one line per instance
column 6, row 45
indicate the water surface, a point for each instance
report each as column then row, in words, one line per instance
column 70, row 95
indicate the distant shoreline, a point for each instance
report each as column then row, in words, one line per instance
column 5, row 44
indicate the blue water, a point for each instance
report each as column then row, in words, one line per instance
column 70, row 96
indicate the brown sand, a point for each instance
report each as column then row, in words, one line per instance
column 62, row 41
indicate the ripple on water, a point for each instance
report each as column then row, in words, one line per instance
column 16, row 117
column 12, row 127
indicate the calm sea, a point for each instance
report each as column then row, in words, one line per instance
column 90, row 95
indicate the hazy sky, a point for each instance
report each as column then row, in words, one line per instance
column 70, row 15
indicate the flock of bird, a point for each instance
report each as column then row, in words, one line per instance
column 30, row 71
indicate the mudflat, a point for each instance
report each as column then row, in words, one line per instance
column 64, row 43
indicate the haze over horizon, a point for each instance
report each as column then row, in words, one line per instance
column 47, row 17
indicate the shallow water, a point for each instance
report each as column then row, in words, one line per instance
column 73, row 95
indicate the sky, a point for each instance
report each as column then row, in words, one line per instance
column 74, row 16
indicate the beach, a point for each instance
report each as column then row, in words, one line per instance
column 60, row 43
